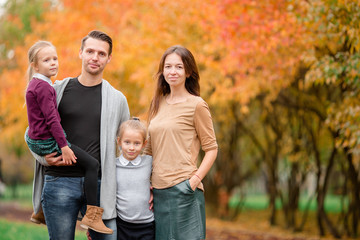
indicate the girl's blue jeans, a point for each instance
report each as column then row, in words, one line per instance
column 62, row 199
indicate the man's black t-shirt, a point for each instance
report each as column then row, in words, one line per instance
column 80, row 112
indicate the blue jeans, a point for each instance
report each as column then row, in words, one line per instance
column 62, row 199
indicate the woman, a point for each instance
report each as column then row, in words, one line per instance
column 179, row 123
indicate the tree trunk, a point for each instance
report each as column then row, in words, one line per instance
column 294, row 193
column 323, row 191
column 272, row 190
column 319, row 200
column 305, row 215
column 355, row 209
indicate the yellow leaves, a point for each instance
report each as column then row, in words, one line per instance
column 244, row 110
column 345, row 119
column 297, row 157
column 12, row 111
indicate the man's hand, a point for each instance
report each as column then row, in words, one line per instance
column 54, row 161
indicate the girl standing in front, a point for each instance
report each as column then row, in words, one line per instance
column 135, row 219
column 179, row 123
column 45, row 134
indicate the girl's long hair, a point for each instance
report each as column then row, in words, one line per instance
column 33, row 56
column 162, row 88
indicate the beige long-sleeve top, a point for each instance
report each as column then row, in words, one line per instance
column 175, row 136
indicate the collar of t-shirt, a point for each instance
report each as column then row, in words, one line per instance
column 42, row 77
column 126, row 162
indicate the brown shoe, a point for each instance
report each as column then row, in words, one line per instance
column 38, row 218
column 93, row 220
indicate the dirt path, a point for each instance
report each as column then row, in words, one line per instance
column 215, row 230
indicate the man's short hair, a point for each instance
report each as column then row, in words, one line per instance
column 100, row 36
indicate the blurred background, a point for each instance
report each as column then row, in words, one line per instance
column 281, row 77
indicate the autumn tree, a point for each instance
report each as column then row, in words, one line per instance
column 280, row 77
column 335, row 64
column 258, row 49
column 15, row 23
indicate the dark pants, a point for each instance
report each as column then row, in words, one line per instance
column 91, row 167
column 135, row 231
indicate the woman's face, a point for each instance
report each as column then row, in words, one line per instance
column 174, row 71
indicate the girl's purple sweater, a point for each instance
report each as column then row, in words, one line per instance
column 43, row 116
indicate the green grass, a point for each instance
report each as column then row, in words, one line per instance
column 260, row 202
column 13, row 230
column 21, row 191
column 16, row 230
column 252, row 201
column 22, row 194
column 332, row 204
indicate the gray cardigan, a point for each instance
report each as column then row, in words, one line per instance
column 114, row 111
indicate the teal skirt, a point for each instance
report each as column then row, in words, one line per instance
column 43, row 147
column 179, row 213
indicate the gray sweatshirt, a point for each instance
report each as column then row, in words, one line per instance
column 114, row 111
column 133, row 189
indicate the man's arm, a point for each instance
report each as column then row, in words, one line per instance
column 50, row 159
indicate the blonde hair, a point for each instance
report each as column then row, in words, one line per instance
column 33, row 55
column 135, row 124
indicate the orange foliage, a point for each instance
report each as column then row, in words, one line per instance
column 242, row 47
column 262, row 45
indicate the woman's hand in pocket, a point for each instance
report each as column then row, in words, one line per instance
column 194, row 182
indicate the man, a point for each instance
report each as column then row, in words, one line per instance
column 91, row 111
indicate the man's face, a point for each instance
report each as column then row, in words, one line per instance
column 94, row 56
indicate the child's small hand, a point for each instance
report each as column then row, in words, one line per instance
column 151, row 200
column 68, row 155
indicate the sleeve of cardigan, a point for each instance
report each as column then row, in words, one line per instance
column 204, row 126
column 125, row 111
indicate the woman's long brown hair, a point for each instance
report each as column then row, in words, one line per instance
column 162, row 88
